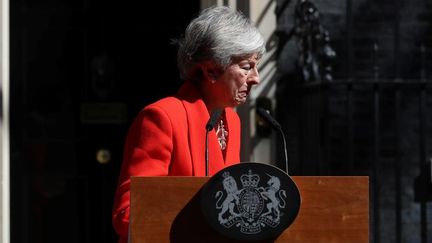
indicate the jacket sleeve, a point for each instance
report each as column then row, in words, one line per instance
column 147, row 152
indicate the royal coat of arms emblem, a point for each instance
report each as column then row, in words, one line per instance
column 250, row 201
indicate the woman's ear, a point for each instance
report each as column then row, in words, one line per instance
column 210, row 71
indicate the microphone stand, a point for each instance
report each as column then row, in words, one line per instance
column 285, row 149
column 206, row 153
column 267, row 117
column 214, row 116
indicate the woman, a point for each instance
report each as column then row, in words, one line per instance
column 218, row 60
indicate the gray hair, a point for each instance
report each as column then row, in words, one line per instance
column 217, row 34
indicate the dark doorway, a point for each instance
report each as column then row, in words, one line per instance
column 80, row 72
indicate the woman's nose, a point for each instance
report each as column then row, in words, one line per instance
column 254, row 77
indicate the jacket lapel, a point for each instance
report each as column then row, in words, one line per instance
column 198, row 117
column 232, row 155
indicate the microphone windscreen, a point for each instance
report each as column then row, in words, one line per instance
column 214, row 116
column 268, row 118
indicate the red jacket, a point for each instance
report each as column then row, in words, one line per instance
column 167, row 138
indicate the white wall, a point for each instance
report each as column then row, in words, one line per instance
column 263, row 15
column 4, row 122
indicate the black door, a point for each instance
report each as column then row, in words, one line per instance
column 80, row 71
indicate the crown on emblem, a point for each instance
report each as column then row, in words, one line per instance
column 250, row 180
column 225, row 174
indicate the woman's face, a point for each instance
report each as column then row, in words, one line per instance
column 235, row 83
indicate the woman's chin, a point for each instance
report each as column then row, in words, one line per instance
column 240, row 101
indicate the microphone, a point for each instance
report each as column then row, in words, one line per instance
column 270, row 120
column 214, row 117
